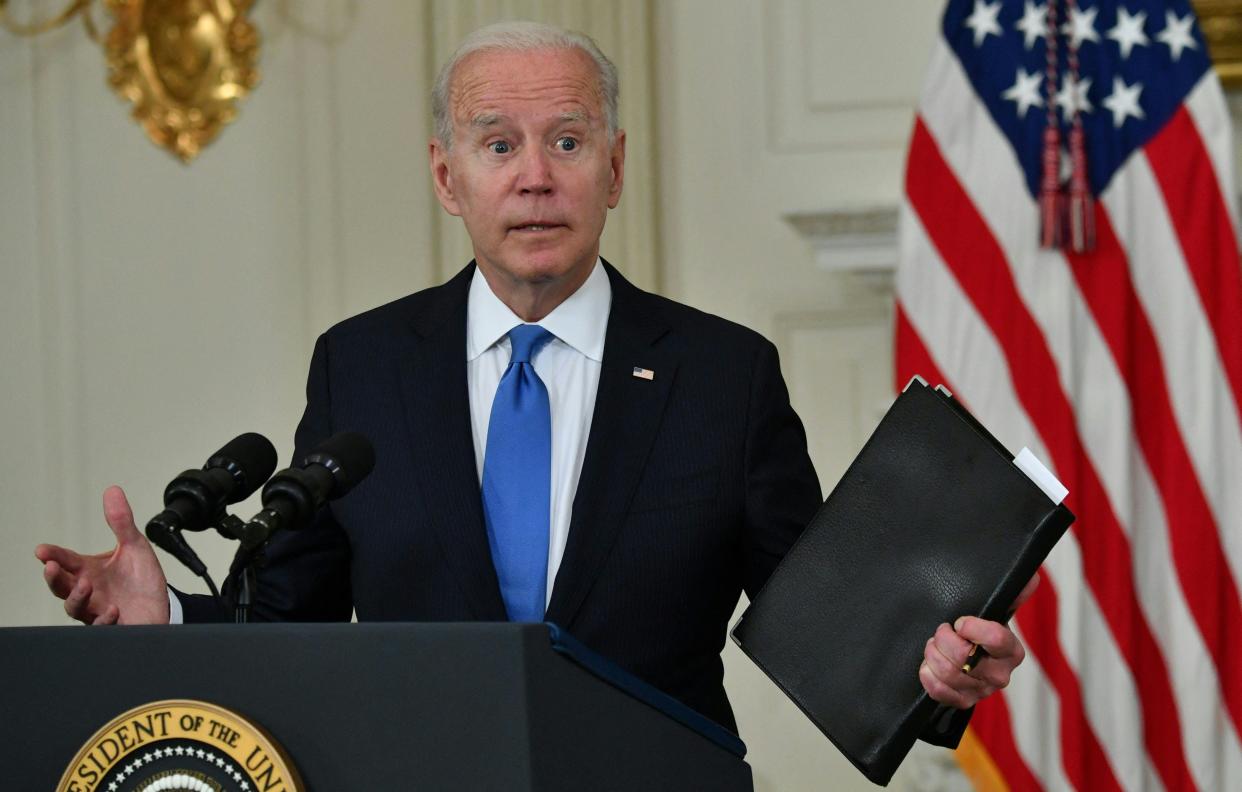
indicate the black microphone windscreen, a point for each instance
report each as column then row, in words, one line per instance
column 348, row 455
column 250, row 458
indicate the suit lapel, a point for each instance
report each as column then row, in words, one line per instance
column 628, row 411
column 437, row 404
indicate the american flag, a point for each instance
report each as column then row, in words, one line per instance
column 1119, row 364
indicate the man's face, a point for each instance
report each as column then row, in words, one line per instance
column 530, row 171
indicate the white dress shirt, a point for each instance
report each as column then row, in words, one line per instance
column 569, row 366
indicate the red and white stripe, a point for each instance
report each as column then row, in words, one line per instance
column 1121, row 369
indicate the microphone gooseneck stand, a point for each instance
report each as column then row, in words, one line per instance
column 247, row 581
column 249, row 558
column 172, row 540
column 240, row 583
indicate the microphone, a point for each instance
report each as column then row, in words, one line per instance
column 196, row 499
column 294, row 494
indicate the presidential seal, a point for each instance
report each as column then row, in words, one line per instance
column 180, row 746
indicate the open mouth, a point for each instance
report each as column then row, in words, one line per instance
column 536, row 228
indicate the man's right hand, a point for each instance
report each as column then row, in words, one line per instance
column 125, row 586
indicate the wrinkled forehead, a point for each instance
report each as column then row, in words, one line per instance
column 497, row 83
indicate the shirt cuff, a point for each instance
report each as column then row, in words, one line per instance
column 175, row 614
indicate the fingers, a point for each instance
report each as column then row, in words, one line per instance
column 952, row 646
column 941, row 691
column 946, row 669
column 58, row 580
column 76, row 603
column 941, row 671
column 942, row 675
column 107, row 576
column 996, row 638
column 120, row 516
column 993, row 673
column 66, row 558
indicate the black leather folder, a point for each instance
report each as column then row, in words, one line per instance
column 931, row 521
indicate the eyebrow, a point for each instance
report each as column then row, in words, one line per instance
column 485, row 120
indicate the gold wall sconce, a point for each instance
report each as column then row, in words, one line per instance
column 182, row 64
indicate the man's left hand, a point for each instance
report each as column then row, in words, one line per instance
column 946, row 652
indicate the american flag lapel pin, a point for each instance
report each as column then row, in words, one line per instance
column 643, row 373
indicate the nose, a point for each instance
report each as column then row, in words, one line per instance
column 534, row 171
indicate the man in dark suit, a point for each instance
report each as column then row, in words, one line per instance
column 671, row 472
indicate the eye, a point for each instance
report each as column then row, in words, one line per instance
column 499, row 147
column 566, row 144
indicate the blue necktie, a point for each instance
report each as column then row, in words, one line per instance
column 517, row 479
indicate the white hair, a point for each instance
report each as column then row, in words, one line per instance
column 520, row 36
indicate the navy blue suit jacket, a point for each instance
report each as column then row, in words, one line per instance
column 694, row 485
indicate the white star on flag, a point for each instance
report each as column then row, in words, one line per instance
column 1072, row 96
column 1081, row 26
column 1128, row 32
column 1034, row 23
column 1025, row 91
column 983, row 20
column 1176, row 34
column 1124, row 101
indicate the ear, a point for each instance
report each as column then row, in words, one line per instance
column 442, row 177
column 617, row 161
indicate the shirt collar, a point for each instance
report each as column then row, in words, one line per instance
column 580, row 321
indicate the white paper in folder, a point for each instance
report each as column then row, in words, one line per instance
column 1029, row 464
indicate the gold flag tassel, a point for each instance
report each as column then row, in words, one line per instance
column 1051, row 200
column 1081, row 204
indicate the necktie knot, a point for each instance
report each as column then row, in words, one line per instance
column 527, row 340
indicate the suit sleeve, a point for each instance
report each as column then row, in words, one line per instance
column 783, row 494
column 782, row 489
column 304, row 575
